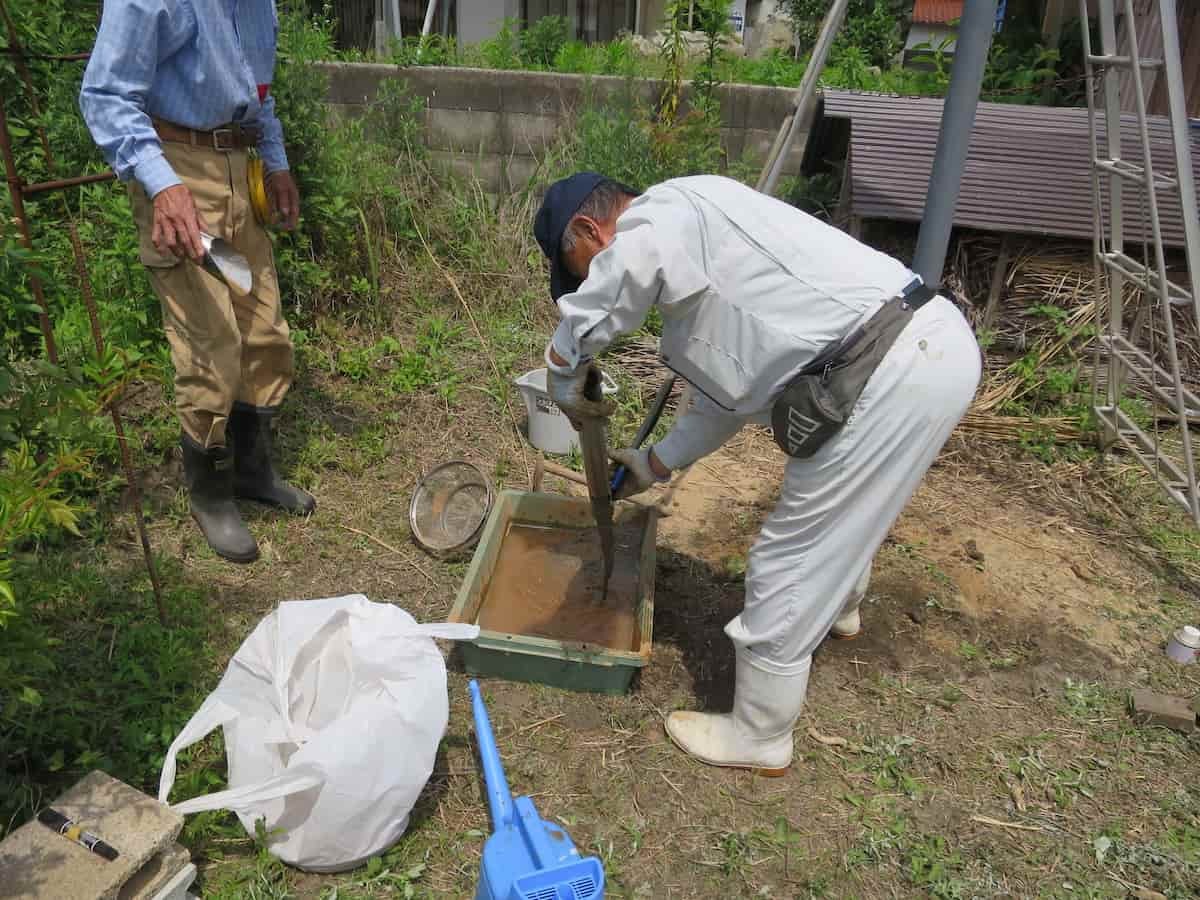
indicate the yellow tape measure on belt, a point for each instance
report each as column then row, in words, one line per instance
column 258, row 190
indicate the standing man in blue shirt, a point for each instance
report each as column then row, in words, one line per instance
column 177, row 96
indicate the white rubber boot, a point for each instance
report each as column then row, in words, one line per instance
column 757, row 735
column 849, row 623
column 847, row 627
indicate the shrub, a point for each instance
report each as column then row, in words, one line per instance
column 541, row 42
column 873, row 26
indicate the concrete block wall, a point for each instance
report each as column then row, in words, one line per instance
column 497, row 125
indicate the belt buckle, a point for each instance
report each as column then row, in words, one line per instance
column 216, row 139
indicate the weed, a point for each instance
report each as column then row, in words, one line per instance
column 931, row 865
column 887, row 759
column 950, row 695
column 1005, row 659
column 969, row 651
column 319, row 452
column 541, row 42
column 108, row 690
column 635, row 837
column 1066, row 784
column 734, row 853
column 1084, row 700
column 782, row 838
column 878, row 842
column 817, row 886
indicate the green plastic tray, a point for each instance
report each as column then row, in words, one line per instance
column 563, row 664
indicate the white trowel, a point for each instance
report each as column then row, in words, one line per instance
column 225, row 263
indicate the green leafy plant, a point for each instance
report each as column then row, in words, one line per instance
column 888, row 760
column 504, row 50
column 539, row 44
column 93, row 680
column 31, row 506
column 1016, row 75
column 873, row 26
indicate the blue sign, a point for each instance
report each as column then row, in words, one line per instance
column 1000, row 8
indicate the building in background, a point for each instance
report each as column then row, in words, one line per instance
column 934, row 24
column 472, row 21
column 762, row 25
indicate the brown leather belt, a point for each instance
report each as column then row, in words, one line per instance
column 227, row 137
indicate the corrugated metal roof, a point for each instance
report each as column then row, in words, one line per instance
column 932, row 12
column 1028, row 169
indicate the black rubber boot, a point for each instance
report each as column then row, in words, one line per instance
column 255, row 477
column 209, row 477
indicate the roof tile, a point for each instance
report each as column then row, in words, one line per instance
column 933, row 12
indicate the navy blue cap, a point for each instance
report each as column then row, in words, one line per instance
column 560, row 204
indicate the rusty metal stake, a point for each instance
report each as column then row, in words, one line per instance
column 41, row 186
column 134, row 493
column 18, row 202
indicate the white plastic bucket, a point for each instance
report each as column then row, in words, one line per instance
column 549, row 430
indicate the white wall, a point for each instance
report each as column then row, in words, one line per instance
column 767, row 27
column 479, row 20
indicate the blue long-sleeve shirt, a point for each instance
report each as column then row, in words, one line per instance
column 198, row 63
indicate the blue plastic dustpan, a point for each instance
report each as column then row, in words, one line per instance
column 527, row 857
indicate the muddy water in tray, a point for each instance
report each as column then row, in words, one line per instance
column 548, row 582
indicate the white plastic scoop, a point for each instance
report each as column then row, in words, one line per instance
column 225, row 263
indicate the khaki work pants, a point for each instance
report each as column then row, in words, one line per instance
column 225, row 348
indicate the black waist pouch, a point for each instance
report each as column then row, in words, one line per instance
column 818, row 401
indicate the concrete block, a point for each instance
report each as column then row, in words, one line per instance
column 764, row 108
column 518, row 170
column 529, row 135
column 39, row 864
column 356, row 83
column 795, row 158
column 453, row 88
column 177, row 887
column 461, row 129
column 544, row 93
column 519, row 113
column 343, row 112
column 734, row 142
column 485, row 168
column 163, row 874
column 756, row 143
column 733, row 99
column 1150, row 708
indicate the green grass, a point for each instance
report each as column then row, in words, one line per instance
column 89, row 679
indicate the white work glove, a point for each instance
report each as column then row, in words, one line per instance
column 639, row 476
column 566, row 389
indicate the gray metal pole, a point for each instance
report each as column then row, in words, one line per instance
column 429, row 10
column 958, row 118
column 1176, row 100
column 800, row 121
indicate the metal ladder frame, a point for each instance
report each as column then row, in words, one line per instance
column 1124, row 358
